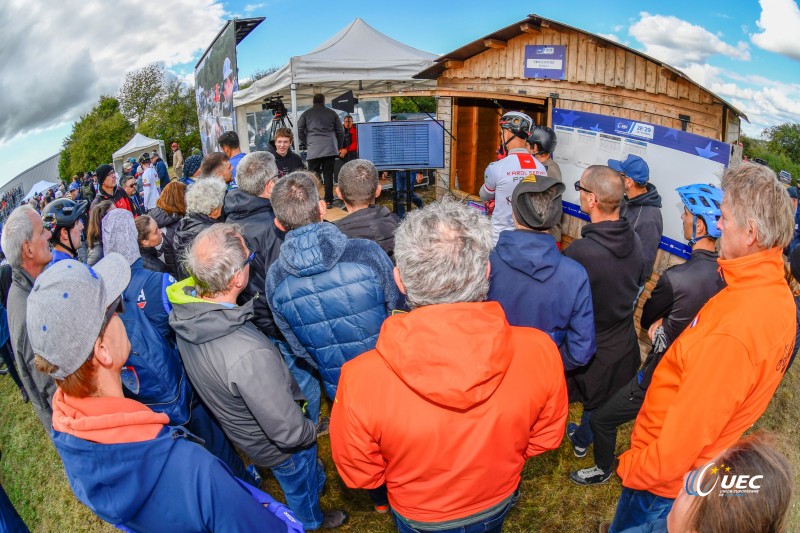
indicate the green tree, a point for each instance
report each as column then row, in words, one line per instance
column 413, row 104
column 94, row 138
column 174, row 117
column 784, row 139
column 141, row 90
column 255, row 76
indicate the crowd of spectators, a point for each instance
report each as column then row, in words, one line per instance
column 216, row 308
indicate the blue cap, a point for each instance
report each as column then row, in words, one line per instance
column 792, row 192
column 73, row 186
column 634, row 167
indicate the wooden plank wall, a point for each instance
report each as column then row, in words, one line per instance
column 600, row 78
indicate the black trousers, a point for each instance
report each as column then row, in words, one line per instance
column 8, row 357
column 621, row 407
column 325, row 164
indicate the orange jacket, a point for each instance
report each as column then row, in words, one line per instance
column 447, row 408
column 716, row 379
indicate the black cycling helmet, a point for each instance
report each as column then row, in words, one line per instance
column 544, row 139
column 517, row 123
column 62, row 213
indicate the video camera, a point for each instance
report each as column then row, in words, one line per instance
column 276, row 105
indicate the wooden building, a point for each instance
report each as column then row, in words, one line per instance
column 600, row 76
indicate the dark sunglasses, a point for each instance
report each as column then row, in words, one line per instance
column 117, row 306
column 578, row 188
column 50, row 222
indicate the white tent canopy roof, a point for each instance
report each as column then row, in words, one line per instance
column 38, row 187
column 139, row 143
column 358, row 55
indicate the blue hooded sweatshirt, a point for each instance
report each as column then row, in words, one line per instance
column 330, row 295
column 164, row 484
column 540, row 288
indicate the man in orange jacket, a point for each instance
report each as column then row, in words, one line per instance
column 452, row 401
column 718, row 377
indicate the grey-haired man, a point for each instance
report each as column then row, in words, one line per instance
column 25, row 243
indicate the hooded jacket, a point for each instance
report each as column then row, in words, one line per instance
column 374, row 223
column 168, row 222
column 39, row 385
column 540, row 288
column 257, row 219
column 716, row 379
column 446, row 409
column 240, row 376
column 644, row 214
column 330, row 296
column 119, row 198
column 150, row 260
column 133, row 471
column 189, row 227
column 611, row 253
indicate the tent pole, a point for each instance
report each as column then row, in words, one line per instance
column 293, row 88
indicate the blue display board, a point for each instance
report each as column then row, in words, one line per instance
column 413, row 144
column 676, row 158
column 547, row 62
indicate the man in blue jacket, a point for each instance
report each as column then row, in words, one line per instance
column 329, row 294
column 122, row 459
column 537, row 286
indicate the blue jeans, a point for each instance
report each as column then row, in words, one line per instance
column 489, row 524
column 302, row 479
column 583, row 436
column 638, row 507
column 203, row 425
column 401, row 192
column 303, row 374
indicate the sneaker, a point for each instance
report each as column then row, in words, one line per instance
column 322, row 426
column 382, row 509
column 590, row 476
column 253, row 471
column 580, row 452
column 333, row 519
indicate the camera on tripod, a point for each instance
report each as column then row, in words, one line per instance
column 276, row 105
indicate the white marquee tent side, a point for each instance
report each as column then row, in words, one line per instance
column 138, row 145
column 358, row 58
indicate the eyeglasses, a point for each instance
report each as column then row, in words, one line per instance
column 117, row 306
column 578, row 187
column 248, row 260
column 50, row 222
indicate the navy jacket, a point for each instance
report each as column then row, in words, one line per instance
column 330, row 295
column 644, row 214
column 165, row 484
column 539, row 288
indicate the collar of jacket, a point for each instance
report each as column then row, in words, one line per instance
column 21, row 277
column 761, row 268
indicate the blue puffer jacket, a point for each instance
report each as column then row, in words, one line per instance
column 330, row 295
column 540, row 288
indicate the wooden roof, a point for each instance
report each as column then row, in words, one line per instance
column 533, row 23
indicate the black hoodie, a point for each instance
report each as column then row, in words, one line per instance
column 257, row 219
column 611, row 253
column 286, row 163
column 644, row 213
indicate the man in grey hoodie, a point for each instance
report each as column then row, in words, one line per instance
column 241, row 377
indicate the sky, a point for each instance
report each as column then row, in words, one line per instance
column 58, row 58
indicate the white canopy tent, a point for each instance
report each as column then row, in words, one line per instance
column 358, row 58
column 138, row 145
column 39, row 187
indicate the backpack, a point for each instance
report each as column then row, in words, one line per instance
column 154, row 373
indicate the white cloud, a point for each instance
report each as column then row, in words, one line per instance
column 681, row 43
column 57, row 59
column 704, row 74
column 780, row 27
column 249, row 8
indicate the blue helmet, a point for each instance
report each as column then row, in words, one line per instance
column 703, row 201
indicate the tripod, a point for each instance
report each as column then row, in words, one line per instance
column 279, row 120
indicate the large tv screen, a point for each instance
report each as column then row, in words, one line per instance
column 414, row 144
column 215, row 81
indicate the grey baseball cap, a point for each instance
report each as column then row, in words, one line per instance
column 67, row 307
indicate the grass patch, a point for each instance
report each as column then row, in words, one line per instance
column 32, row 474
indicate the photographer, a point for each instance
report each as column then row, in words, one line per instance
column 286, row 160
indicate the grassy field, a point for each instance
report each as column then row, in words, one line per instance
column 31, row 473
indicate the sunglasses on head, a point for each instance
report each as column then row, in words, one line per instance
column 50, row 222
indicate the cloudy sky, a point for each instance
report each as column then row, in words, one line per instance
column 57, row 58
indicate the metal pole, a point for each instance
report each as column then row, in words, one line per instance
column 296, row 116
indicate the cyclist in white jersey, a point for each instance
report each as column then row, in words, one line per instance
column 502, row 176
